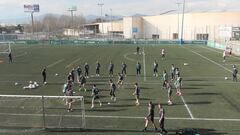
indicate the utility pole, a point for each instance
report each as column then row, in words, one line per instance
column 183, row 12
column 101, row 5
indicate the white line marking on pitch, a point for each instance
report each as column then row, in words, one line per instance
column 120, row 117
column 69, row 65
column 55, row 63
column 144, row 65
column 185, row 104
column 213, row 50
column 207, row 59
column 130, row 59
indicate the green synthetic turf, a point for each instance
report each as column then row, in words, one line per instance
column 206, row 92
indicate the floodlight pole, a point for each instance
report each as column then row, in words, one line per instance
column 101, row 5
column 111, row 23
column 32, row 22
column 183, row 12
column 71, row 10
column 178, row 5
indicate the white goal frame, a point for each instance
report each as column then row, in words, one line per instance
column 9, row 47
column 42, row 99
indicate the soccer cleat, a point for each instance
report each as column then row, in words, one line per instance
column 92, row 106
column 100, row 104
column 144, row 129
column 115, row 99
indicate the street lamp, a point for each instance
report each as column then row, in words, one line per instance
column 101, row 5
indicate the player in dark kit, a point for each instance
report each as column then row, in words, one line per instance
column 120, row 80
column 138, row 50
column 112, row 90
column 44, row 75
column 86, row 67
column 10, row 58
column 124, row 68
column 95, row 96
column 137, row 93
column 79, row 72
column 138, row 68
column 98, row 68
column 235, row 72
column 110, row 68
column 72, row 74
column 161, row 118
column 150, row 116
column 82, row 82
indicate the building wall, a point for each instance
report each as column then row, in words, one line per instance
column 108, row 27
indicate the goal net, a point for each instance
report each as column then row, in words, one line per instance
column 41, row 112
column 5, row 47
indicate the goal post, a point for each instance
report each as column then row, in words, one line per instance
column 5, row 47
column 41, row 112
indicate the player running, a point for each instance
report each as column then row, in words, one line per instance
column 110, row 69
column 224, row 55
column 86, row 67
column 235, row 72
column 163, row 53
column 150, row 116
column 155, row 69
column 44, row 75
column 10, row 59
column 137, row 94
column 138, row 68
column 161, row 118
column 124, row 68
column 138, row 50
column 172, row 71
column 178, row 84
column 120, row 80
column 79, row 72
column 112, row 90
column 98, row 68
column 165, row 79
column 177, row 73
column 95, row 96
column 73, row 75
column 169, row 91
column 69, row 92
column 82, row 82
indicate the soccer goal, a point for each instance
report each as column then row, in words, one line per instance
column 41, row 112
column 5, row 47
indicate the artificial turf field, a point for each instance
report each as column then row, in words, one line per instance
column 209, row 103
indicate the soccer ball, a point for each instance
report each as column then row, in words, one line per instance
column 109, row 103
column 225, row 78
column 170, row 102
column 185, row 64
column 56, row 74
column 16, row 83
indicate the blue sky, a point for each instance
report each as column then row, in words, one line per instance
column 11, row 9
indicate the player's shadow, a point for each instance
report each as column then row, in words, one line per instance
column 194, row 131
column 199, row 102
column 204, row 94
column 195, row 80
column 104, row 110
column 133, row 99
column 201, row 85
column 191, row 88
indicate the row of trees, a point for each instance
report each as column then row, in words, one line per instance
column 54, row 23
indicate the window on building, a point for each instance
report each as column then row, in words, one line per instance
column 202, row 36
column 175, row 35
column 155, row 36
